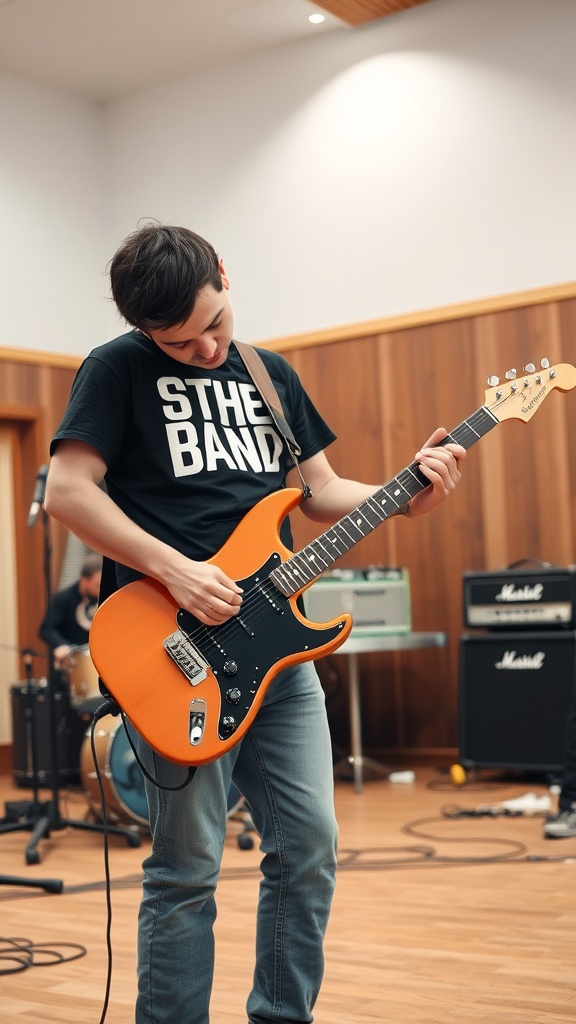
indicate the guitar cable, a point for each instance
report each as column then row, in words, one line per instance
column 104, row 709
column 110, row 707
column 170, row 789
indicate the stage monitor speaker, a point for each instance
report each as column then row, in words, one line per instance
column 514, row 696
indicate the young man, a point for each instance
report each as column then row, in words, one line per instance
column 169, row 418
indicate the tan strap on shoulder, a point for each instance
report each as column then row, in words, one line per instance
column 259, row 374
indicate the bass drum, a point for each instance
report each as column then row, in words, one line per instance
column 83, row 689
column 122, row 778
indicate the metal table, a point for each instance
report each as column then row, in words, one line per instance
column 369, row 643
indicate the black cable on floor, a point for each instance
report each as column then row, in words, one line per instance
column 22, row 954
column 107, row 879
column 515, row 848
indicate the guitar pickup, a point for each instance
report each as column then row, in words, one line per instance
column 186, row 657
column 197, row 720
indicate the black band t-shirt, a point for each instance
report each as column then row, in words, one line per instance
column 188, row 451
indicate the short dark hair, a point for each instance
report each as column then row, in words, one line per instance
column 90, row 566
column 157, row 272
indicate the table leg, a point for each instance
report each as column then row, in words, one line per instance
column 355, row 723
column 356, row 760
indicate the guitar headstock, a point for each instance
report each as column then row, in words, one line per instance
column 518, row 397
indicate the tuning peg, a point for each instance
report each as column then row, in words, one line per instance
column 544, row 363
column 510, row 374
column 493, row 382
column 529, row 368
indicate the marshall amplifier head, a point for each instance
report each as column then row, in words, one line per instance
column 520, row 598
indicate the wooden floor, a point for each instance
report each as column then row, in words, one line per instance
column 451, row 923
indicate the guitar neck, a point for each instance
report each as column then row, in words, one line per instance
column 299, row 571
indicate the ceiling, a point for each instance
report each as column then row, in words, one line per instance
column 358, row 12
column 102, row 49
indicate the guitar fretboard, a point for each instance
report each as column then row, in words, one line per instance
column 306, row 565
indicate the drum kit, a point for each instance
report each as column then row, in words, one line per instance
column 122, row 779
column 120, row 774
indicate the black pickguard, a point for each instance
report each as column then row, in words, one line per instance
column 242, row 650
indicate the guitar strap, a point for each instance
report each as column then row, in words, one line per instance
column 259, row 374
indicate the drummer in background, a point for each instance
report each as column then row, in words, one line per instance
column 67, row 621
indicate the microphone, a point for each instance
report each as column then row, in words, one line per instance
column 38, row 497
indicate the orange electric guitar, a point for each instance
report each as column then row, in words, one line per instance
column 191, row 690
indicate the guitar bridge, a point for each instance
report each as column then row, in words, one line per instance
column 186, row 657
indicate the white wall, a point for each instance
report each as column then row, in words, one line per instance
column 426, row 159
column 54, row 242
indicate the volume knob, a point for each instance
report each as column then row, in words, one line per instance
column 230, row 667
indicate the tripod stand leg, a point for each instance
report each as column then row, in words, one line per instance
column 41, row 826
column 48, row 884
column 41, row 830
column 130, row 832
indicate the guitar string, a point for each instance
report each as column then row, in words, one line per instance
column 253, row 597
column 202, row 631
column 405, row 477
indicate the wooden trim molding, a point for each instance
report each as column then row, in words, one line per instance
column 440, row 314
column 36, row 358
column 362, row 329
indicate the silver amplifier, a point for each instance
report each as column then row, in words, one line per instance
column 517, row 598
column 378, row 600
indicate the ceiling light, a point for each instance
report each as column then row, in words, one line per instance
column 316, row 19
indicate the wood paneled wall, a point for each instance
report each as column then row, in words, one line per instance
column 34, row 389
column 383, row 393
column 383, row 388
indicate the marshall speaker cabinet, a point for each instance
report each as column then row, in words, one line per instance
column 515, row 691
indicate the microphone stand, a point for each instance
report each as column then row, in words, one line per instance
column 16, row 817
column 44, row 818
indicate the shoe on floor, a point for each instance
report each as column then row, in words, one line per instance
column 562, row 826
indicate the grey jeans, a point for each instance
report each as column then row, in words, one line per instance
column 283, row 768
